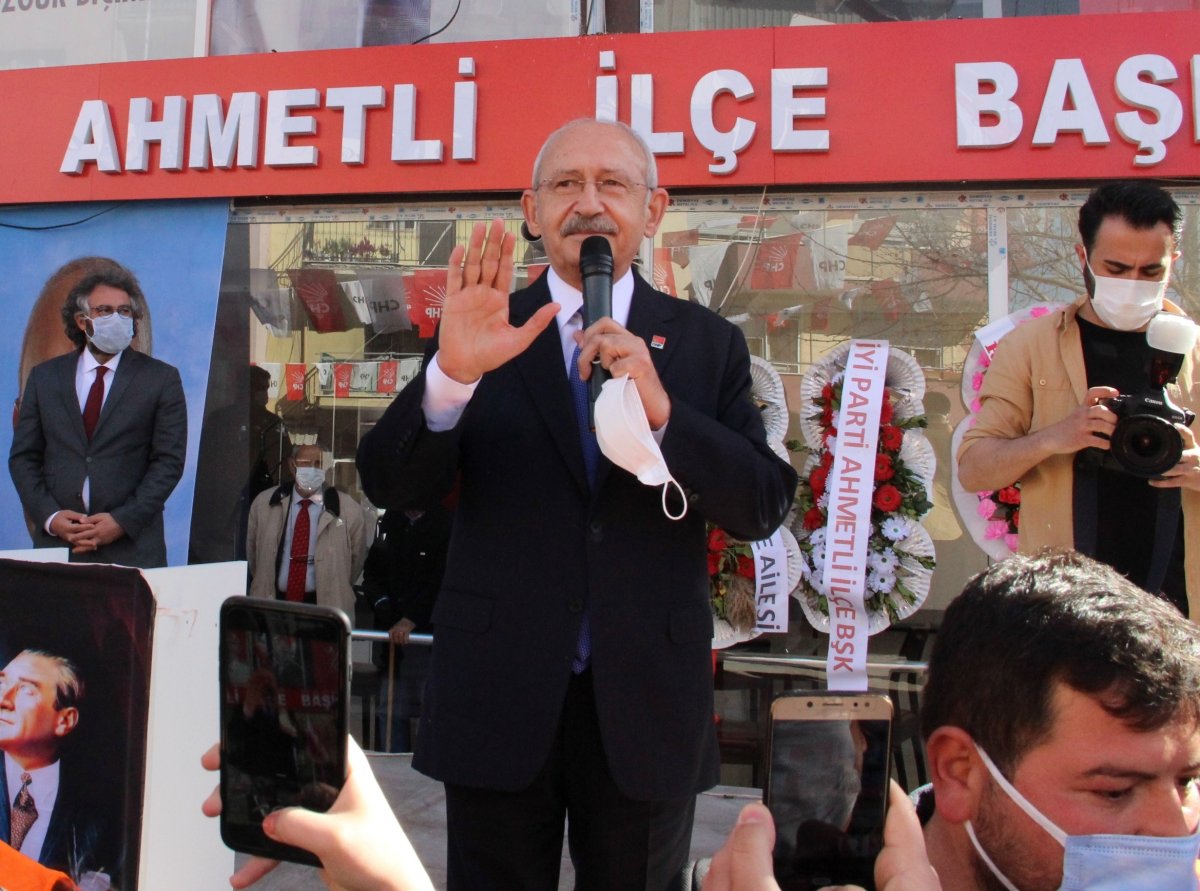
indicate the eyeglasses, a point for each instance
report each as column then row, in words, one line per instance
column 103, row 311
column 609, row 187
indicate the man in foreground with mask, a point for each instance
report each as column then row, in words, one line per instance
column 305, row 541
column 1044, row 406
column 1061, row 719
column 100, row 441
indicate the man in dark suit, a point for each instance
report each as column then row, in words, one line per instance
column 42, row 814
column 571, row 667
column 102, row 432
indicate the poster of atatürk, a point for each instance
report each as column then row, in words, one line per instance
column 74, row 698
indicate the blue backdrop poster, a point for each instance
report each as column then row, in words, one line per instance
column 175, row 248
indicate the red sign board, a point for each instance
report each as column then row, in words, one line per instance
column 1021, row 99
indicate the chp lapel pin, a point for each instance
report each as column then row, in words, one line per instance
column 657, row 342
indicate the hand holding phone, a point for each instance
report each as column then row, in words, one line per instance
column 285, row 689
column 827, row 787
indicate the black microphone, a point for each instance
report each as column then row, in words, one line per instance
column 596, row 269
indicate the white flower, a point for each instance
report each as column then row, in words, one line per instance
column 817, row 537
column 823, row 501
column 883, row 582
column 894, row 529
column 818, row 555
column 831, row 445
column 836, row 380
column 883, row 561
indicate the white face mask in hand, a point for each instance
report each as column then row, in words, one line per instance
column 624, row 436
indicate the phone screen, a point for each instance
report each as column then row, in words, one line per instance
column 284, row 691
column 827, row 791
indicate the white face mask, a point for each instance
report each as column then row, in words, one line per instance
column 1105, row 862
column 309, row 479
column 1125, row 304
column 111, row 334
column 624, row 436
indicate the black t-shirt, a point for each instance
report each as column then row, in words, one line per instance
column 1125, row 522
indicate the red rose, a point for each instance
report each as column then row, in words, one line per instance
column 883, row 468
column 827, row 459
column 890, row 438
column 827, row 392
column 826, row 419
column 814, row 518
column 717, row 540
column 745, row 567
column 817, row 480
column 714, row 562
column 1009, row 495
column 887, row 498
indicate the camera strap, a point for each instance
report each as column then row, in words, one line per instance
column 1086, row 507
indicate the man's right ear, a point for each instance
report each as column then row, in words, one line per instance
column 959, row 776
column 530, row 230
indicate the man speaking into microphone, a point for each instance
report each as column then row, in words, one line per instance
column 571, row 672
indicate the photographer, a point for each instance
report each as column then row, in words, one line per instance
column 1046, row 418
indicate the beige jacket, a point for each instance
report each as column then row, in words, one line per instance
column 1036, row 379
column 344, row 534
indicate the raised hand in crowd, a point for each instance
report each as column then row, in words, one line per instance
column 359, row 840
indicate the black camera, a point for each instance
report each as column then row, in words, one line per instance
column 1145, row 442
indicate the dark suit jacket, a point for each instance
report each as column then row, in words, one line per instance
column 531, row 546
column 74, row 842
column 133, row 461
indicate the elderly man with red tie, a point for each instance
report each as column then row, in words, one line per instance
column 305, row 541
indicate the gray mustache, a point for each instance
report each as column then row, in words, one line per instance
column 598, row 225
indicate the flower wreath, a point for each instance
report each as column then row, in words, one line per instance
column 991, row 518
column 900, row 552
column 731, row 567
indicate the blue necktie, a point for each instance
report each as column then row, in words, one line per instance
column 591, row 457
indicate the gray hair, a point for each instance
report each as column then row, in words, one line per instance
column 651, row 165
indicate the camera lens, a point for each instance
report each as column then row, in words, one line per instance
column 1146, row 445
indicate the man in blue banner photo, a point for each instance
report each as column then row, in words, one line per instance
column 571, row 673
column 102, row 433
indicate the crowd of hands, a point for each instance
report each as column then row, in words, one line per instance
column 364, row 848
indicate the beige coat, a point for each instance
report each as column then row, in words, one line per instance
column 1036, row 379
column 344, row 533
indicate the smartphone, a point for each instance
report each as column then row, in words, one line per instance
column 285, row 692
column 827, row 786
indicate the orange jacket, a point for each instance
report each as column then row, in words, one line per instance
column 19, row 873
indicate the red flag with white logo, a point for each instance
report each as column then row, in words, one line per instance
column 342, row 372
column 775, row 263
column 293, row 375
column 425, row 299
column 321, row 296
column 664, row 273
column 386, row 382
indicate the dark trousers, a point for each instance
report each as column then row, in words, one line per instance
column 512, row 841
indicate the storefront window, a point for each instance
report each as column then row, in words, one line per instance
column 325, row 313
